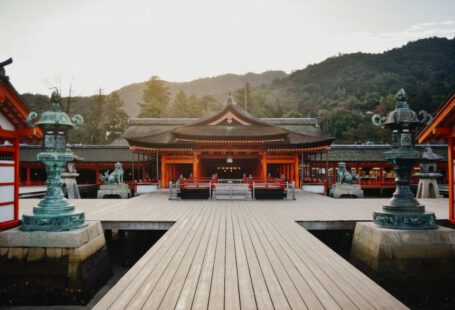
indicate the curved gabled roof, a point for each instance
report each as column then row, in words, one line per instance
column 231, row 123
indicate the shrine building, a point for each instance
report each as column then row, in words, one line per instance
column 13, row 131
column 442, row 130
column 229, row 144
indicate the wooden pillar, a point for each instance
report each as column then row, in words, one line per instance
column 195, row 164
column 450, row 167
column 132, row 169
column 157, row 167
column 27, row 179
column 296, row 170
column 16, row 180
column 327, row 170
column 144, row 170
column 97, row 174
column 163, row 173
column 264, row 165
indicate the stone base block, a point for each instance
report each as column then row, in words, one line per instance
column 347, row 190
column 114, row 190
column 413, row 254
column 53, row 267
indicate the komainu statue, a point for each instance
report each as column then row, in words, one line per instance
column 113, row 186
column 344, row 176
column 116, row 177
column 345, row 185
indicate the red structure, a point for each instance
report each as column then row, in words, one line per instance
column 13, row 130
column 443, row 129
column 229, row 144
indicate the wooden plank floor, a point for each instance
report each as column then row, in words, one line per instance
column 241, row 255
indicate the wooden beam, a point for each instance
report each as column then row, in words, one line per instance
column 447, row 108
column 8, row 134
column 23, row 132
column 442, row 131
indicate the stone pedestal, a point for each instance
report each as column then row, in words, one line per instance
column 352, row 190
column 414, row 254
column 53, row 267
column 114, row 191
column 69, row 181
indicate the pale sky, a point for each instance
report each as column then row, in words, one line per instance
column 108, row 44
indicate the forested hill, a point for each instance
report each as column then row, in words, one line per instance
column 217, row 87
column 424, row 68
column 343, row 91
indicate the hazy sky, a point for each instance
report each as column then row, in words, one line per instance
column 109, row 44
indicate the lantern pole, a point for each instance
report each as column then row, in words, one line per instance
column 403, row 211
column 54, row 212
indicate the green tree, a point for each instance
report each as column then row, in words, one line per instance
column 155, row 98
column 208, row 104
column 240, row 95
column 339, row 122
column 292, row 114
column 116, row 119
column 194, row 108
column 180, row 105
column 94, row 120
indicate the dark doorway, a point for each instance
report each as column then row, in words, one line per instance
column 229, row 170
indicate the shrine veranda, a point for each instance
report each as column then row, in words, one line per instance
column 253, row 254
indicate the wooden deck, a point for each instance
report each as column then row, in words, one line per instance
column 241, row 254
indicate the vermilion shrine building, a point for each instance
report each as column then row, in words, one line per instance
column 230, row 143
column 13, row 131
column 442, row 129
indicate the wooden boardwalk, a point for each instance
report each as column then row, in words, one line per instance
column 241, row 255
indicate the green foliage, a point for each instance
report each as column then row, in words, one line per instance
column 94, row 120
column 339, row 122
column 104, row 117
column 116, row 119
column 292, row 114
column 424, row 68
column 192, row 106
column 36, row 102
column 155, row 98
column 243, row 93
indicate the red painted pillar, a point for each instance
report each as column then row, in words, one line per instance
column 27, row 179
column 164, row 183
column 16, row 180
column 296, row 171
column 450, row 167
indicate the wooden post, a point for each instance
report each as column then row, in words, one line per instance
column 27, row 180
column 327, row 169
column 264, row 165
column 97, row 175
column 157, row 167
column 296, row 170
column 16, row 180
column 195, row 165
column 450, row 167
column 163, row 173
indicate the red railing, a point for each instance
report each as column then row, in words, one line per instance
column 197, row 183
column 265, row 183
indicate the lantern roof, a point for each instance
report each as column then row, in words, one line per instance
column 402, row 115
column 54, row 117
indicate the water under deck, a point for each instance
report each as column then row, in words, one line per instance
column 240, row 254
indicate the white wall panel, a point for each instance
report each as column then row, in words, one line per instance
column 7, row 213
column 6, row 174
column 6, row 193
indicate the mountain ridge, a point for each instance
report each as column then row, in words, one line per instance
column 217, row 86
